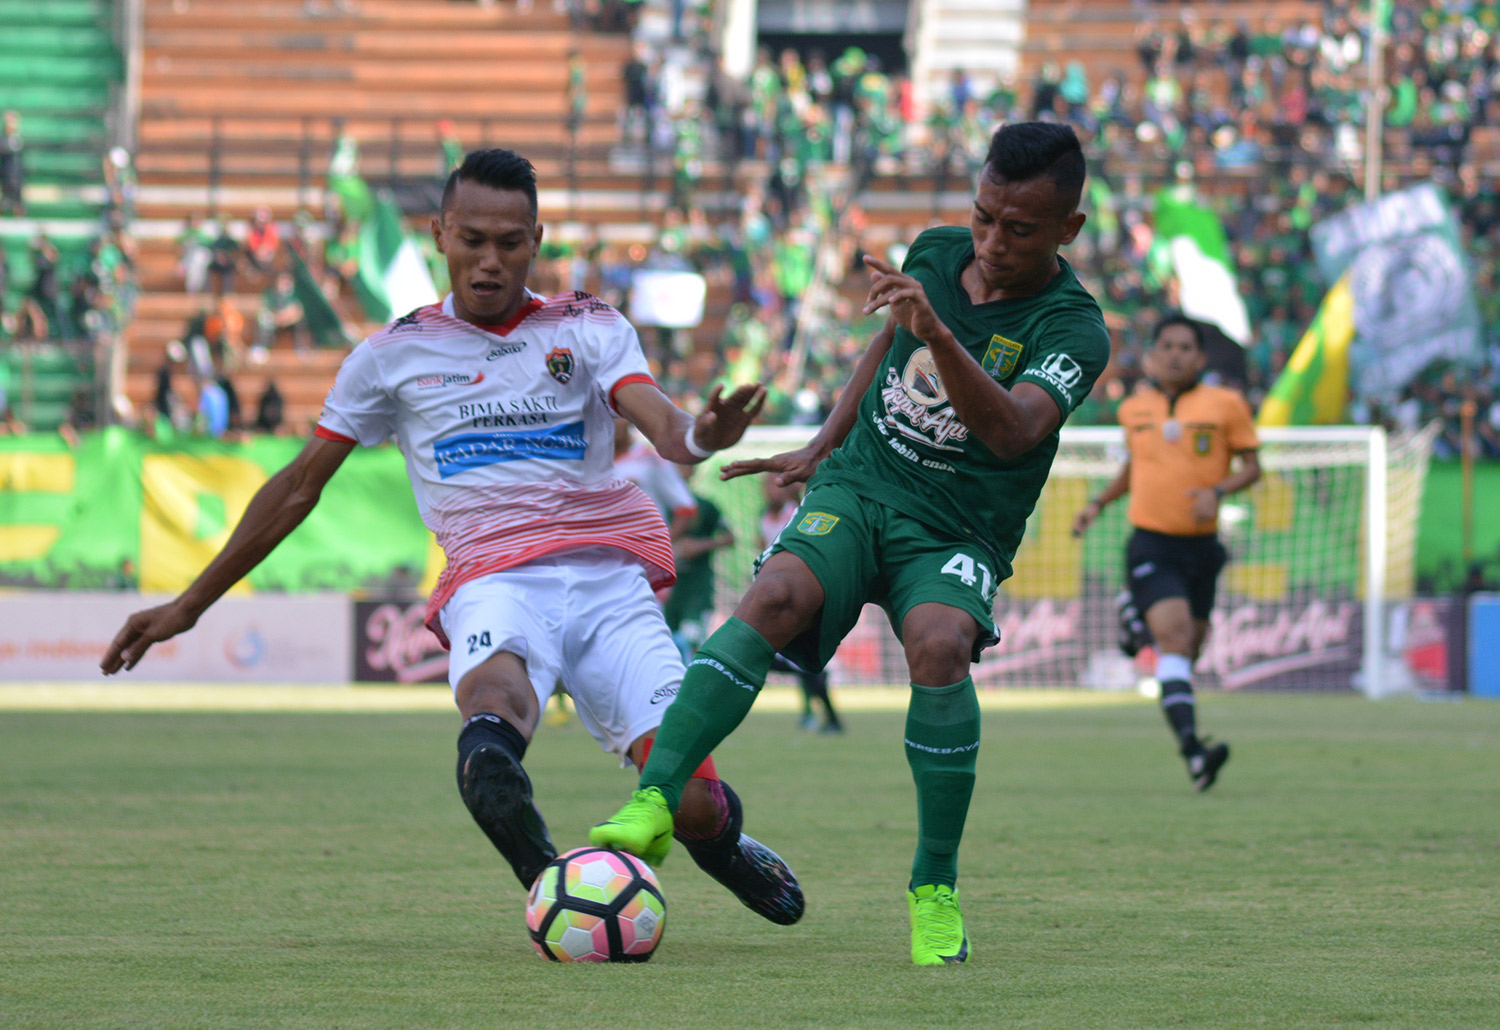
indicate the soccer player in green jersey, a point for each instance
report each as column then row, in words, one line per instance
column 919, row 485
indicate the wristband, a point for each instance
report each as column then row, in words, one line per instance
column 1219, row 492
column 690, row 441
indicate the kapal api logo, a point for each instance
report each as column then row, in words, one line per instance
column 921, row 381
column 560, row 364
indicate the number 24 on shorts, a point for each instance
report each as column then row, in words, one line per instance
column 963, row 566
column 478, row 640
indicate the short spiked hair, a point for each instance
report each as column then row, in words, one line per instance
column 499, row 170
column 1026, row 150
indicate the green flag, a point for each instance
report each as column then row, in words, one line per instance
column 1313, row 389
column 322, row 320
column 355, row 199
column 392, row 278
column 1194, row 237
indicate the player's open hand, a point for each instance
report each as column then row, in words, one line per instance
column 725, row 419
column 905, row 297
column 788, row 467
column 141, row 630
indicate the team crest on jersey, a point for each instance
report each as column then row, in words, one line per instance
column 817, row 523
column 1203, row 441
column 560, row 364
column 1000, row 360
column 921, row 380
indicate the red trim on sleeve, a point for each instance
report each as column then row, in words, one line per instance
column 329, row 434
column 634, row 377
column 705, row 771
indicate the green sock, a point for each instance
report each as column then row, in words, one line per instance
column 721, row 684
column 942, row 743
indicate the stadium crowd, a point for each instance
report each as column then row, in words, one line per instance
column 1263, row 117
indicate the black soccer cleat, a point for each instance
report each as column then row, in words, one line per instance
column 1135, row 635
column 497, row 792
column 756, row 875
column 1203, row 767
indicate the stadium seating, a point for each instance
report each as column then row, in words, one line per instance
column 58, row 67
column 243, row 100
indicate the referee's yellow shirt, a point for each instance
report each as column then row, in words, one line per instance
column 1177, row 446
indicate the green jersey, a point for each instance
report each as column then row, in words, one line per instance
column 693, row 596
column 908, row 449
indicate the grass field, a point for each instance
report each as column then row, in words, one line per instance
column 249, row 869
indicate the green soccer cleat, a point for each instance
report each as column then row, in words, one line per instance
column 643, row 827
column 937, row 926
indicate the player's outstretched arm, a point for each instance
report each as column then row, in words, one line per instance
column 679, row 437
column 799, row 465
column 277, row 508
column 1008, row 422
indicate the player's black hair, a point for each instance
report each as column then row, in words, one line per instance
column 499, row 170
column 1172, row 318
column 1025, row 150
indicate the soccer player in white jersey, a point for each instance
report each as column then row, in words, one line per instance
column 502, row 403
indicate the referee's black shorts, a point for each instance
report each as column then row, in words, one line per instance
column 1159, row 566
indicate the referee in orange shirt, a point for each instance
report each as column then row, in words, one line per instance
column 1183, row 437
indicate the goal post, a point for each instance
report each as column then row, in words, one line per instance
column 1319, row 549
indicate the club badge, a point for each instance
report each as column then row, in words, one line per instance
column 560, row 364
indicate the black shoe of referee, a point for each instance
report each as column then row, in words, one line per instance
column 1204, row 765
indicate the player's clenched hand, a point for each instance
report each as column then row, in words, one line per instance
column 789, row 467
column 905, row 297
column 1205, row 504
column 1084, row 519
column 725, row 419
column 141, row 630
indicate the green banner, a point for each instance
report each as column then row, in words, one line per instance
column 1413, row 298
column 123, row 510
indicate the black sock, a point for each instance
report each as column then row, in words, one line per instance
column 1178, row 705
column 817, row 686
column 487, row 729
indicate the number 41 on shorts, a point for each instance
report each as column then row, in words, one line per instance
column 963, row 566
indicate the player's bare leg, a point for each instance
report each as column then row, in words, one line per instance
column 500, row 712
column 709, row 823
column 720, row 686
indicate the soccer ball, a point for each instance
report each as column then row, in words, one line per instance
column 596, row 905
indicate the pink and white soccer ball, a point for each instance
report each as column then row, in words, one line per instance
column 596, row 905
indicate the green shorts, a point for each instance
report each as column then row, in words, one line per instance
column 865, row 552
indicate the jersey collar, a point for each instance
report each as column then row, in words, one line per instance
column 533, row 303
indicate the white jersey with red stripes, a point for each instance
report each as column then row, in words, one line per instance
column 508, row 433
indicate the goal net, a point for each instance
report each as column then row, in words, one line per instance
column 1302, row 605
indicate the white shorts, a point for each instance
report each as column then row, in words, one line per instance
column 585, row 622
